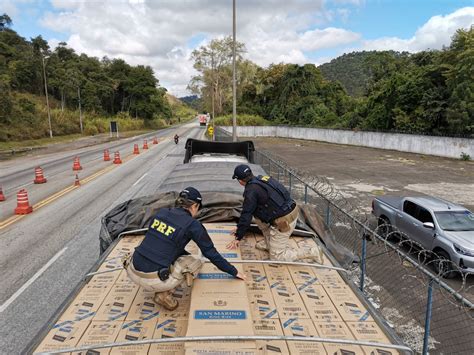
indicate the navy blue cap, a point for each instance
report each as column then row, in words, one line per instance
column 190, row 193
column 241, row 172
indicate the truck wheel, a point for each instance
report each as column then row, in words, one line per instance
column 443, row 265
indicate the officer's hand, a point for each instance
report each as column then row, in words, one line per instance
column 233, row 231
column 241, row 276
column 233, row 244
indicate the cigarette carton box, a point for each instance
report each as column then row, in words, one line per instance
column 319, row 305
column 87, row 302
column 370, row 331
column 301, row 328
column 144, row 307
column 288, row 301
column 353, row 311
column 117, row 303
column 100, row 332
column 337, row 330
column 329, row 277
column 229, row 288
column 269, row 327
column 134, row 330
column 220, row 316
column 262, row 305
column 209, row 272
column 104, row 279
column 169, row 328
column 277, row 272
column 64, row 334
column 301, row 274
column 222, row 348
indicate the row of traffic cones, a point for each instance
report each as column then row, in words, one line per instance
column 23, row 206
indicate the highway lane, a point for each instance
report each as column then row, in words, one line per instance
column 65, row 235
column 19, row 173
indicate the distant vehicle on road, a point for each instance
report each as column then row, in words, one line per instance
column 437, row 225
column 203, row 119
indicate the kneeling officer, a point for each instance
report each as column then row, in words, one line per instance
column 160, row 263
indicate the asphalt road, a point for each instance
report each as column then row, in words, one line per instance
column 45, row 254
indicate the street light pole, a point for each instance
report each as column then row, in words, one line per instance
column 47, row 100
column 234, row 88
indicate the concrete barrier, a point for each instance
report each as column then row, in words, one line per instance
column 430, row 145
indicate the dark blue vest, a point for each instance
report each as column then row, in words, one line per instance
column 166, row 236
column 279, row 201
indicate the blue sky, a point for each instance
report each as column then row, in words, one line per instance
column 163, row 33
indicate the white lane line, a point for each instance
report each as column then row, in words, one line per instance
column 136, row 182
column 30, row 281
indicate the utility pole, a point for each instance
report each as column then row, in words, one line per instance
column 80, row 108
column 234, row 88
column 47, row 101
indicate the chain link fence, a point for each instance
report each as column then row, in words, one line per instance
column 397, row 276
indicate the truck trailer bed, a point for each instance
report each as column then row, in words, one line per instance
column 275, row 300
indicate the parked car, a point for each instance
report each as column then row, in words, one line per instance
column 445, row 228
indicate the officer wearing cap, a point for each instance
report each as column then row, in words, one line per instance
column 275, row 213
column 160, row 263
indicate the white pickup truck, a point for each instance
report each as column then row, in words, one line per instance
column 437, row 225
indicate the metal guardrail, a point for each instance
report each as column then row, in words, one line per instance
column 426, row 312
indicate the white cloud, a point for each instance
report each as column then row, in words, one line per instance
column 156, row 33
column 434, row 34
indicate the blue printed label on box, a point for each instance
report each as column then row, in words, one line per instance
column 214, row 276
column 229, row 255
column 220, row 314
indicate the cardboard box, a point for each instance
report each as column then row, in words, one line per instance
column 301, row 274
column 277, row 272
column 87, row 302
column 117, row 303
column 370, row 331
column 169, row 328
column 134, row 330
column 288, row 301
column 329, row 277
column 104, row 279
column 301, row 328
column 226, row 288
column 220, row 316
column 144, row 307
column 262, row 305
column 65, row 334
column 319, row 305
column 337, row 330
column 272, row 347
column 209, row 272
column 340, row 293
column 100, row 333
column 222, row 348
column 353, row 311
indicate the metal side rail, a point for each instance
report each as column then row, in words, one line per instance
column 294, row 263
column 230, row 338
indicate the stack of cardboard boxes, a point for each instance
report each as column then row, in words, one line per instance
column 275, row 300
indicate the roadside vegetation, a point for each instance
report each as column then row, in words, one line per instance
column 429, row 92
column 104, row 90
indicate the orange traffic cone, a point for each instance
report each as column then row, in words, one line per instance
column 76, row 181
column 155, row 140
column 2, row 196
column 39, row 178
column 77, row 164
column 23, row 206
column 106, row 155
column 135, row 149
column 145, row 144
column 117, row 159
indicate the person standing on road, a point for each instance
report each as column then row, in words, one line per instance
column 160, row 263
column 275, row 213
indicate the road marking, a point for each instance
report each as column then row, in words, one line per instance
column 30, row 281
column 10, row 220
column 136, row 182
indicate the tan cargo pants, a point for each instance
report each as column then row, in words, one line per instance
column 278, row 242
column 151, row 282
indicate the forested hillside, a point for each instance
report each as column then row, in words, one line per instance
column 100, row 89
column 354, row 70
column 428, row 92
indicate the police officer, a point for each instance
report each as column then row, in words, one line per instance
column 160, row 263
column 275, row 213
